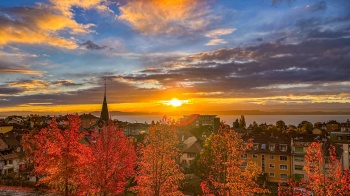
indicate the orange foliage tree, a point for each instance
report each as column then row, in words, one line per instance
column 324, row 171
column 57, row 155
column 222, row 159
column 158, row 173
column 111, row 160
column 324, row 174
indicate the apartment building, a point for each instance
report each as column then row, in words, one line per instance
column 272, row 154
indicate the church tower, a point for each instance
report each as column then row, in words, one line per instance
column 104, row 117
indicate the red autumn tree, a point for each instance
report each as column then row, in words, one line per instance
column 222, row 158
column 57, row 155
column 30, row 146
column 323, row 170
column 158, row 173
column 111, row 160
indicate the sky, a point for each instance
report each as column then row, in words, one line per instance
column 214, row 55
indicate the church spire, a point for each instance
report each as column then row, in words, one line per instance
column 104, row 112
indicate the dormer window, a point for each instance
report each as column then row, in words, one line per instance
column 263, row 146
column 283, row 147
column 256, row 147
column 272, row 147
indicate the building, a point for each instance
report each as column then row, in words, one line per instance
column 198, row 120
column 88, row 121
column 272, row 154
column 104, row 117
column 189, row 146
column 5, row 128
column 342, row 139
column 333, row 126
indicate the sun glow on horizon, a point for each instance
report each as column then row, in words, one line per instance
column 175, row 102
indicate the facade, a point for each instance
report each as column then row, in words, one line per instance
column 272, row 154
column 189, row 146
column 198, row 120
column 88, row 121
column 342, row 139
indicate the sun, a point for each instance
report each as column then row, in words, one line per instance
column 175, row 102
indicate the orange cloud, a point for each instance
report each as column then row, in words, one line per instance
column 165, row 16
column 43, row 23
column 65, row 6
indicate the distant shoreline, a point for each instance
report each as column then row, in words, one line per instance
column 238, row 112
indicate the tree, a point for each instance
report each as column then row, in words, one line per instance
column 242, row 123
column 235, row 124
column 324, row 171
column 305, row 127
column 57, row 155
column 111, row 158
column 281, row 125
column 158, row 173
column 225, row 174
column 31, row 146
column 324, row 174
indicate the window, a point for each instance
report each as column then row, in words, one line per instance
column 263, row 146
column 191, row 161
column 272, row 165
column 283, row 147
column 283, row 176
column 272, row 174
column 244, row 156
column 191, row 155
column 10, row 162
column 283, row 167
column 184, row 162
column 272, row 157
column 256, row 146
column 244, row 164
column 339, row 138
column 272, row 147
column 300, row 159
column 255, row 156
column 283, row 158
column 348, row 137
column 299, row 149
column 298, row 167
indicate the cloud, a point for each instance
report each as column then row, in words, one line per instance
column 319, row 6
column 9, row 91
column 219, row 32
column 66, row 83
column 12, row 68
column 65, row 7
column 43, row 24
column 215, row 34
column 214, row 42
column 92, row 46
column 166, row 17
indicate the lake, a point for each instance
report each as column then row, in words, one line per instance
column 229, row 119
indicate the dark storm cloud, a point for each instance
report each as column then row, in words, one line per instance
column 92, row 46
